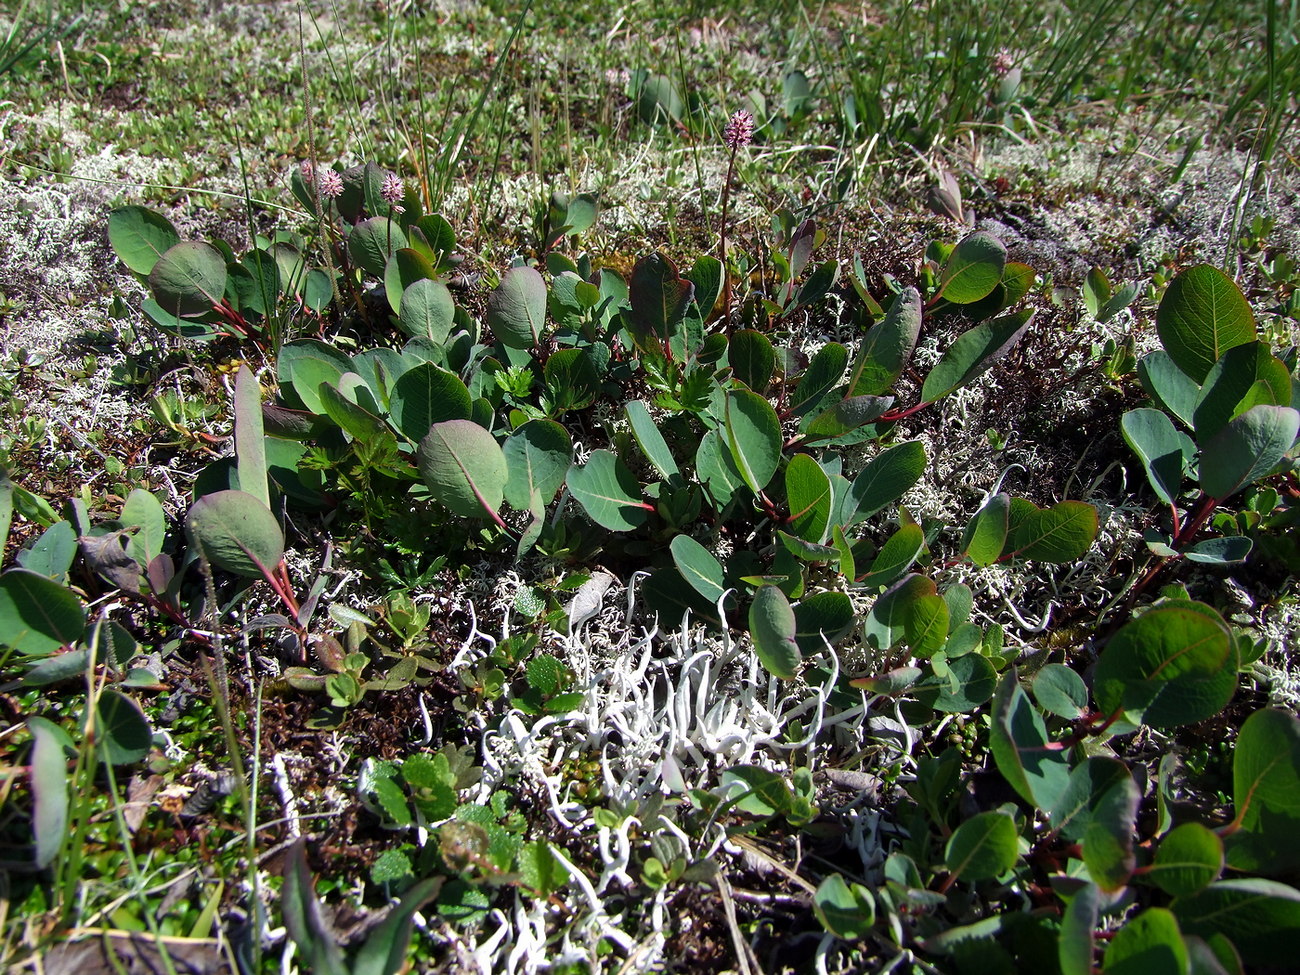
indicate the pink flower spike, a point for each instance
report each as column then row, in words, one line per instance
column 306, row 171
column 394, row 190
column 330, row 184
column 739, row 131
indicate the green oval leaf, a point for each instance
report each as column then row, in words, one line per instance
column 464, row 467
column 1266, row 790
column 406, row 267
column 236, row 532
column 895, row 556
column 189, row 279
column 887, row 346
column 846, row 415
column 1190, row 857
column 772, row 626
column 715, row 466
column 658, row 101
column 973, row 269
column 887, row 620
column 49, row 786
column 1247, row 448
column 537, row 459
column 1261, row 918
column 121, row 729
column 1019, row 742
column 753, row 436
column 1060, row 691
column 808, row 492
column 140, row 237
column 1164, row 450
column 828, row 614
column 516, row 308
column 1246, row 375
column 846, row 911
column 428, row 311
column 608, row 492
column 1078, row 931
column 752, row 358
column 659, row 299
column 823, row 373
column 1061, row 533
column 427, row 395
column 985, row 537
column 373, row 241
column 885, row 478
column 1173, row 665
column 1173, row 390
column 1203, row 314
column 1108, row 839
column 142, row 510
column 1150, row 944
column 984, row 846
column 304, row 365
column 708, row 277
column 968, row 682
column 698, row 567
column 1088, row 784
column 973, row 354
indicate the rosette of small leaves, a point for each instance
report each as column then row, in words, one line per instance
column 1158, row 886
column 1223, row 411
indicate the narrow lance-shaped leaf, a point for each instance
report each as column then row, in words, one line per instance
column 973, row 354
column 1078, row 931
column 250, row 439
column 49, row 786
column 649, row 439
column 887, row 346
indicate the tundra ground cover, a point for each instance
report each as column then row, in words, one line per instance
column 469, row 506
